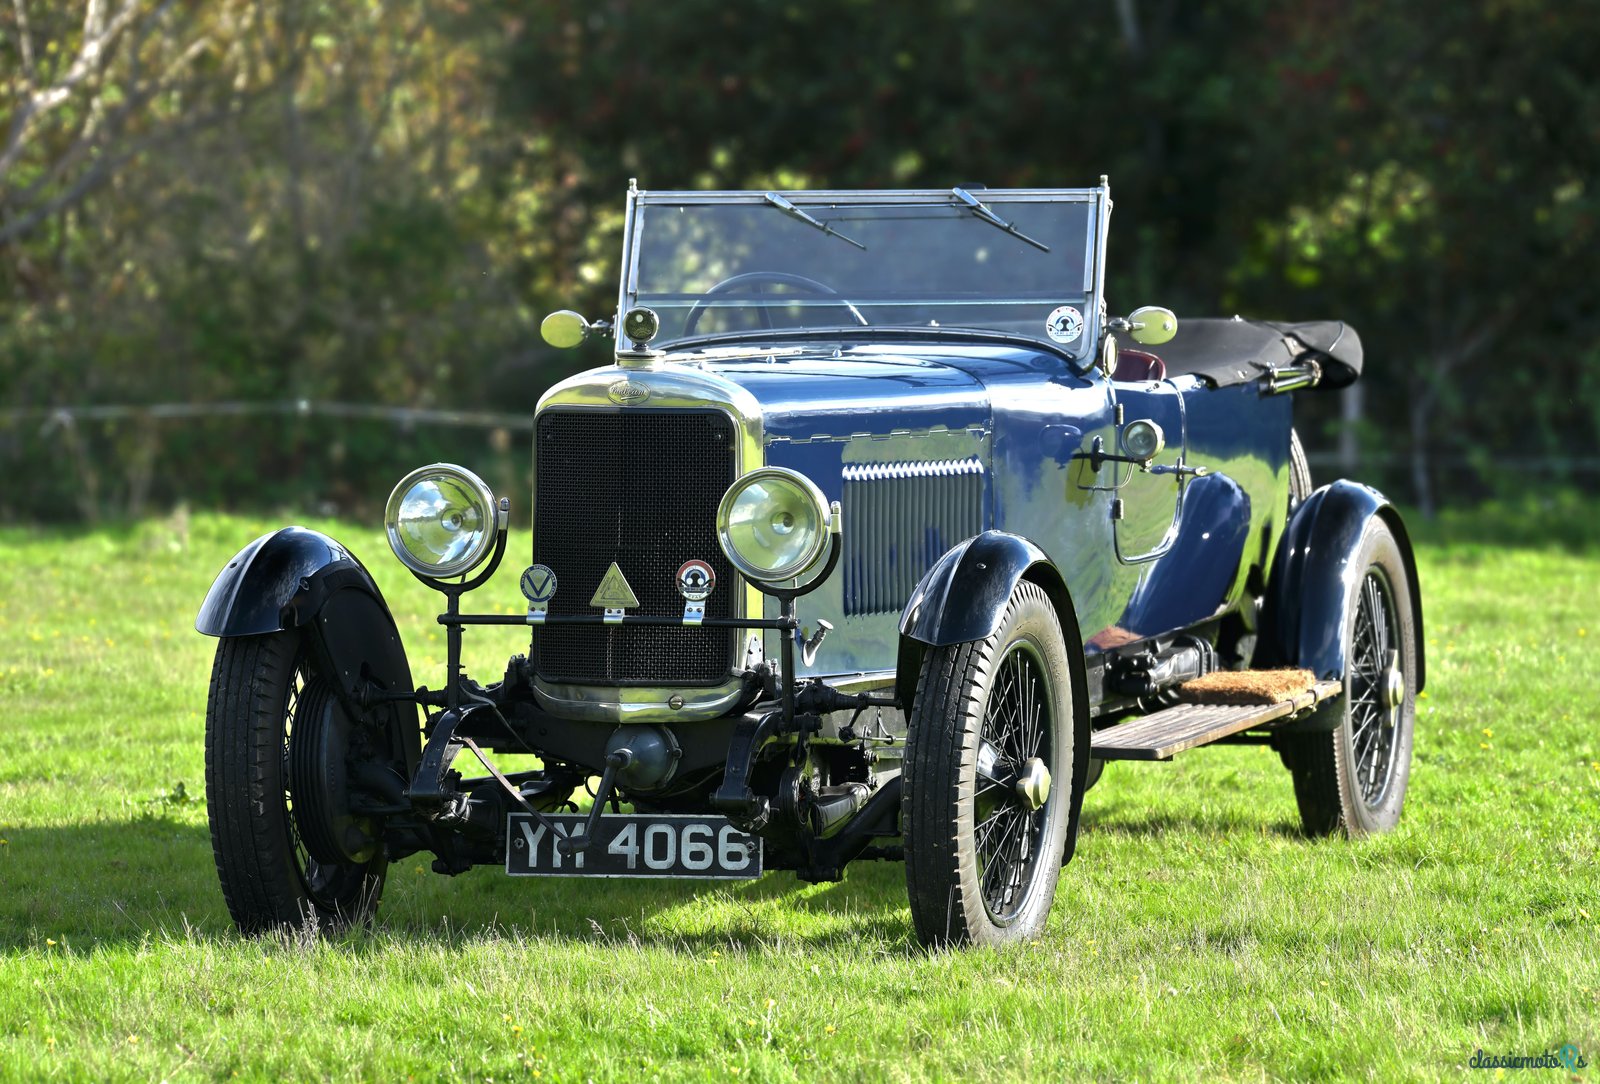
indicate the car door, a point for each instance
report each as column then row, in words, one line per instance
column 1150, row 504
column 1231, row 502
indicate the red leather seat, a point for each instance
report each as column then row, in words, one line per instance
column 1134, row 366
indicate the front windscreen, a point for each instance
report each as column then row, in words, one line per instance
column 752, row 261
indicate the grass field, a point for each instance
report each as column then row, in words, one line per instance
column 1197, row 936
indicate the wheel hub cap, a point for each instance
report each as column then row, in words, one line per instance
column 1394, row 686
column 1033, row 783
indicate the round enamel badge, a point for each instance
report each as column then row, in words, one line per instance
column 1064, row 324
column 538, row 584
column 696, row 580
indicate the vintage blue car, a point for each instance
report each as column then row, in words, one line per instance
column 877, row 540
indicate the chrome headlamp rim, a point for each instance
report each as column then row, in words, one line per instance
column 480, row 491
column 1143, row 439
column 813, row 553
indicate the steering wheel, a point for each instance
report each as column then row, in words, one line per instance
column 756, row 278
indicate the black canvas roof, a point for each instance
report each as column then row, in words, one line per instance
column 1235, row 351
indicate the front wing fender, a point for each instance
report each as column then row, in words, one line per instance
column 299, row 578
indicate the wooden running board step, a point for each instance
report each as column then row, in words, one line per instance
column 1184, row 726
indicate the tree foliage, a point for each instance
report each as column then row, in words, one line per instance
column 375, row 201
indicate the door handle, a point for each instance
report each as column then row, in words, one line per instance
column 1180, row 469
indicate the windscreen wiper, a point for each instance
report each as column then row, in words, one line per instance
column 981, row 209
column 790, row 209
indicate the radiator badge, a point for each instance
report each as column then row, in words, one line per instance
column 614, row 595
column 538, row 587
column 696, row 580
column 538, row 584
column 628, row 392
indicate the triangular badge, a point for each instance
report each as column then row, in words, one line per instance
column 614, row 592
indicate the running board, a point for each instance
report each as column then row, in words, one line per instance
column 1174, row 729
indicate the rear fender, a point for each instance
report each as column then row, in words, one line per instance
column 300, row 578
column 963, row 597
column 1313, row 578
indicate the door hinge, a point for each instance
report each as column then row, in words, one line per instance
column 1116, row 508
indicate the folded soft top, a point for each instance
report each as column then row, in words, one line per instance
column 1234, row 351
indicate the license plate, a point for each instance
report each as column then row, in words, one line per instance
column 634, row 845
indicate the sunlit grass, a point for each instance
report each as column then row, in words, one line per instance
column 1196, row 936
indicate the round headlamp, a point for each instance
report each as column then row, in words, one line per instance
column 1143, row 440
column 640, row 324
column 440, row 520
column 773, row 524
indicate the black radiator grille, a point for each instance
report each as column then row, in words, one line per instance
column 899, row 518
column 641, row 488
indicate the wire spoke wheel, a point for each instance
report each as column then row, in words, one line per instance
column 305, row 867
column 1372, row 720
column 988, row 784
column 1351, row 777
column 1009, row 832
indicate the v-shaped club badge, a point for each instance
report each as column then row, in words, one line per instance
column 614, row 595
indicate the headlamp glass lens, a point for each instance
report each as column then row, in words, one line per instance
column 440, row 520
column 1142, row 439
column 773, row 527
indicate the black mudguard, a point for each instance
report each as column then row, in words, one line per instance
column 1308, row 594
column 299, row 578
column 962, row 598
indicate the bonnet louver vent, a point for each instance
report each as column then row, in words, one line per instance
column 899, row 518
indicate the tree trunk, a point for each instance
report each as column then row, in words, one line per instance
column 1129, row 19
column 1419, row 410
column 1352, row 412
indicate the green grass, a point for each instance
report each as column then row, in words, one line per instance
column 1196, row 936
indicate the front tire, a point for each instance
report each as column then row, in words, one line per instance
column 1352, row 779
column 982, row 859
column 265, row 692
